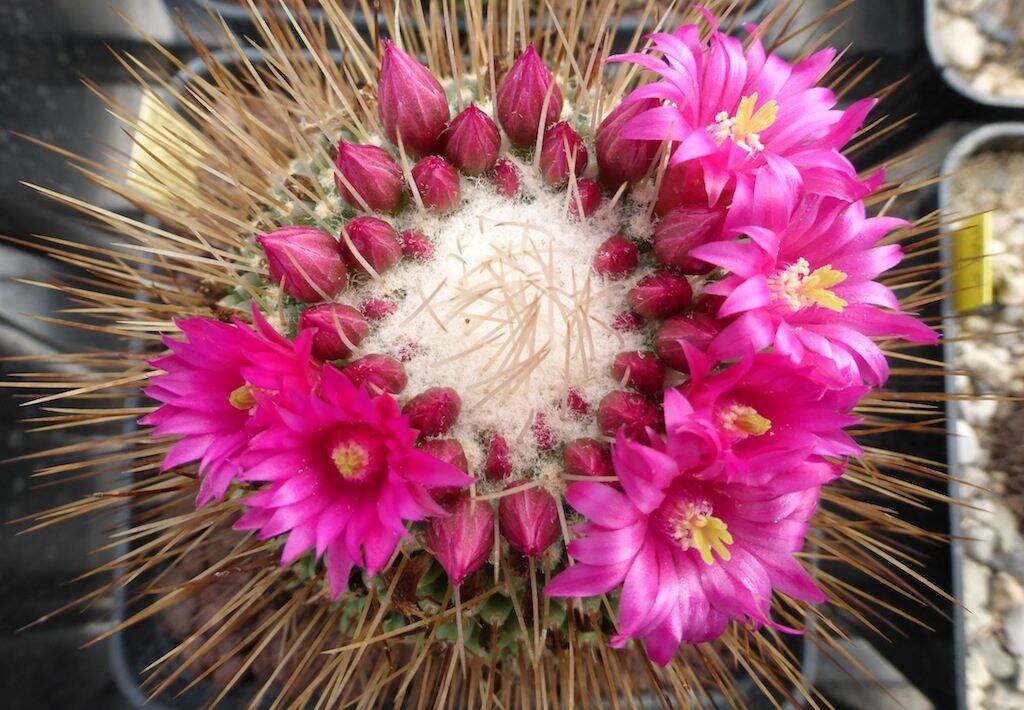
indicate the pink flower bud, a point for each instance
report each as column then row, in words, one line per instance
column 521, row 99
column 411, row 102
column 627, row 322
column 684, row 184
column 543, row 437
column 375, row 242
column 590, row 197
column 683, row 229
column 309, row 263
column 587, row 457
column 438, row 184
column 628, row 411
column 616, row 257
column 562, row 145
column 377, row 308
column 337, row 329
column 377, row 372
column 660, row 294
column 462, row 540
column 621, row 159
column 373, row 174
column 707, row 303
column 506, row 178
column 434, row 411
column 577, row 403
column 497, row 466
column 451, row 452
column 528, row 519
column 694, row 329
column 472, row 141
column 642, row 371
column 416, row 245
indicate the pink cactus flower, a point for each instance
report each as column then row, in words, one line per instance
column 308, row 263
column 411, row 102
column 462, row 540
column 732, row 111
column 805, row 285
column 521, row 99
column 690, row 551
column 207, row 390
column 342, row 477
column 374, row 177
column 472, row 141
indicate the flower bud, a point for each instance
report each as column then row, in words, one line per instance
column 411, row 102
column 587, row 457
column 377, row 308
column 694, row 329
column 372, row 173
column 497, row 465
column 307, row 262
column 375, row 242
column 590, row 197
column 577, row 403
column 506, row 178
column 438, row 184
column 521, row 99
column 627, row 322
column 377, row 372
column 562, row 145
column 628, row 411
column 462, row 540
column 616, row 257
column 543, row 437
column 528, row 519
column 451, row 452
column 434, row 411
column 337, row 329
column 472, row 141
column 416, row 245
column 683, row 229
column 642, row 371
column 660, row 294
column 621, row 159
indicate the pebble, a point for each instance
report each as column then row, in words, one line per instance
column 984, row 41
column 999, row 663
column 1013, row 629
column 962, row 44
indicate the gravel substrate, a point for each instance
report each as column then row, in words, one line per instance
column 984, row 40
column 989, row 445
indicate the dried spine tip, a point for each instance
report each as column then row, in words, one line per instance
column 373, row 241
column 375, row 179
column 438, row 184
column 378, row 373
column 472, row 141
column 337, row 329
column 413, row 106
column 521, row 99
column 306, row 262
column 433, row 412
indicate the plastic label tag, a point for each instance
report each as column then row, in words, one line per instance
column 972, row 261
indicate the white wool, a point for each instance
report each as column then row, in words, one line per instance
column 544, row 258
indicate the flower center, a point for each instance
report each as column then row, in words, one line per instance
column 743, row 420
column 692, row 525
column 242, row 397
column 800, row 287
column 745, row 128
column 357, row 453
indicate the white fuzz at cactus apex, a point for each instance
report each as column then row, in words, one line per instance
column 509, row 297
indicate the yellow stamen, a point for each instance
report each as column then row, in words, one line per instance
column 695, row 528
column 351, row 460
column 800, row 287
column 745, row 420
column 745, row 128
column 242, row 398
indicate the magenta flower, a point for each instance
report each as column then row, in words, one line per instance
column 343, row 475
column 805, row 285
column 690, row 550
column 208, row 391
column 733, row 110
